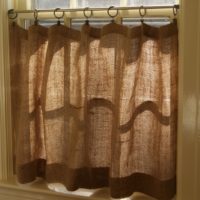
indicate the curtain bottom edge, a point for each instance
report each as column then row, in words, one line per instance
column 93, row 178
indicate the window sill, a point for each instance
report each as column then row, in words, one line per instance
column 10, row 190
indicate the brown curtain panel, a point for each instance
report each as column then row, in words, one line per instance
column 96, row 107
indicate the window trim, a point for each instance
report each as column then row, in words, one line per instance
column 188, row 155
column 188, row 162
column 6, row 163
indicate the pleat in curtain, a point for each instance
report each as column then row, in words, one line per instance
column 96, row 107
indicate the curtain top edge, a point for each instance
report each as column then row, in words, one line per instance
column 111, row 28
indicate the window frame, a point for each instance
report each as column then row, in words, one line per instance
column 188, row 154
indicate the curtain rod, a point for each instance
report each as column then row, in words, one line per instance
column 176, row 6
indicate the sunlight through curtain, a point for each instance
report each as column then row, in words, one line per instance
column 96, row 107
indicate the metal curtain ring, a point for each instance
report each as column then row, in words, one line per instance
column 57, row 10
column 175, row 10
column 108, row 11
column 85, row 11
column 142, row 13
column 12, row 14
column 35, row 14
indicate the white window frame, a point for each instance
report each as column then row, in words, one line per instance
column 188, row 156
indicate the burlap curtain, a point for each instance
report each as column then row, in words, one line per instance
column 96, row 107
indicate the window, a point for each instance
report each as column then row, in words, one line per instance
column 100, row 19
column 187, row 129
column 57, row 187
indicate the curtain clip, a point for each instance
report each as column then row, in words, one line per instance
column 110, row 15
column 35, row 14
column 87, row 16
column 58, row 17
column 142, row 12
column 12, row 14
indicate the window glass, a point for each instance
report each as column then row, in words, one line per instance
column 150, row 2
column 98, row 23
column 98, row 3
column 46, row 4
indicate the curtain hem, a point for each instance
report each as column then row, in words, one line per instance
column 92, row 178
